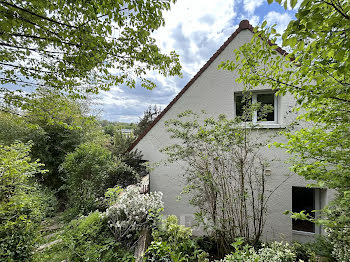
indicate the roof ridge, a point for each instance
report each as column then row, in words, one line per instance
column 243, row 25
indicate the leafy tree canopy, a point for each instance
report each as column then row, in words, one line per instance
column 80, row 46
column 55, row 124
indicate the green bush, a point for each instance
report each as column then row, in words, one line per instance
column 21, row 203
column 89, row 239
column 338, row 229
column 90, row 170
column 173, row 243
column 303, row 252
column 86, row 171
column 322, row 246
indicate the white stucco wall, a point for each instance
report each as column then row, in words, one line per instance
column 213, row 92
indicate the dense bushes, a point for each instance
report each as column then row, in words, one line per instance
column 89, row 239
column 90, row 170
column 86, row 171
column 22, row 205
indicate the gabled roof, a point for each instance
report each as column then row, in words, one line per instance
column 243, row 25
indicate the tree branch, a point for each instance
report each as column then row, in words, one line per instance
column 337, row 9
column 35, row 14
column 296, row 87
column 43, row 38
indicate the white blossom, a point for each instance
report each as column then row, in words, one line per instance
column 133, row 211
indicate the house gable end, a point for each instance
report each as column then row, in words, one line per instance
column 243, row 25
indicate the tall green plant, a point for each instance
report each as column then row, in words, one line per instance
column 21, row 207
column 86, row 172
column 224, row 174
column 52, row 136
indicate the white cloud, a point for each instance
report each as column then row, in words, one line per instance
column 254, row 20
column 251, row 5
column 206, row 16
column 281, row 19
column 195, row 29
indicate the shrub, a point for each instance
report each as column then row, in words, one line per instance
column 112, row 195
column 224, row 174
column 86, row 171
column 322, row 246
column 21, row 206
column 172, row 242
column 89, row 239
column 133, row 212
column 48, row 200
column 340, row 239
column 338, row 226
column 90, row 170
column 303, row 252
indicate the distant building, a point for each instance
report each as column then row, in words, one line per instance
column 127, row 132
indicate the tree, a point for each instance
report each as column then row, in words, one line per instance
column 148, row 117
column 225, row 175
column 56, row 125
column 316, row 72
column 79, row 47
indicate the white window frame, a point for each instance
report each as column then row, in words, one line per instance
column 254, row 100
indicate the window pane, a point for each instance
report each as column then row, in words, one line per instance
column 303, row 199
column 243, row 103
column 267, row 108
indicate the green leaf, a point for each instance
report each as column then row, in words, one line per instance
column 293, row 3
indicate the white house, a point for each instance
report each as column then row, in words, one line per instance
column 216, row 92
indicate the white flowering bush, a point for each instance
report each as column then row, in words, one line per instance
column 340, row 239
column 274, row 252
column 277, row 252
column 133, row 212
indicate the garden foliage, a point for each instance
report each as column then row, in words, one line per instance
column 90, row 170
column 273, row 252
column 173, row 243
column 89, row 239
column 224, row 174
column 22, row 205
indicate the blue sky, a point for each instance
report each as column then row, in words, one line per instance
column 195, row 29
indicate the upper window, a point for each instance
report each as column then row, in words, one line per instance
column 257, row 107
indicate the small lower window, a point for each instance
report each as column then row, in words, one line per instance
column 303, row 199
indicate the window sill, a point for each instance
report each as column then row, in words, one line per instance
column 263, row 125
column 303, row 233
